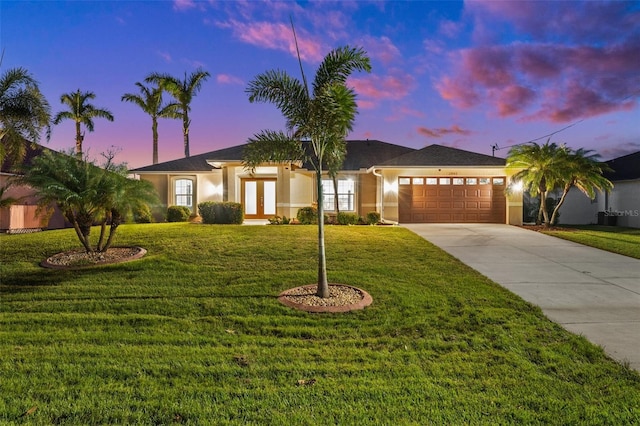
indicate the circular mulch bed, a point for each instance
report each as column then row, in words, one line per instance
column 80, row 259
column 342, row 298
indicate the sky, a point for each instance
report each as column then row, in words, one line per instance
column 471, row 75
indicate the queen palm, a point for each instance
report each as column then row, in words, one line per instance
column 150, row 101
column 183, row 92
column 24, row 113
column 319, row 117
column 540, row 170
column 583, row 170
column 81, row 112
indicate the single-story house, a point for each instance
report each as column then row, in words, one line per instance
column 22, row 216
column 405, row 185
column 620, row 206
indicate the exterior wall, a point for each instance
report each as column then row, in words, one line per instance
column 367, row 193
column 23, row 214
column 578, row 209
column 390, row 210
column 624, row 202
column 302, row 190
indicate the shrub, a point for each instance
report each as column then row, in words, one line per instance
column 373, row 218
column 178, row 213
column 142, row 214
column 277, row 220
column 226, row 212
column 348, row 218
column 307, row 215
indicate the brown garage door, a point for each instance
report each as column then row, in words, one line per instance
column 452, row 199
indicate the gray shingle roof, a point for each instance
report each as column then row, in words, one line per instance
column 438, row 155
column 625, row 167
column 195, row 163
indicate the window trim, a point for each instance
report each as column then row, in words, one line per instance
column 329, row 197
column 176, row 194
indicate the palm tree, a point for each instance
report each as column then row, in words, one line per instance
column 583, row 170
column 150, row 101
column 82, row 113
column 322, row 117
column 85, row 193
column 541, row 167
column 183, row 92
column 24, row 113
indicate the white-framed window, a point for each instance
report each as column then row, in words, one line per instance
column 183, row 192
column 346, row 195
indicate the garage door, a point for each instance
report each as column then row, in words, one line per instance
column 452, row 199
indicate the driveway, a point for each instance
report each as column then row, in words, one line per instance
column 588, row 291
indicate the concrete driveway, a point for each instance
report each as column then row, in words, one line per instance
column 588, row 291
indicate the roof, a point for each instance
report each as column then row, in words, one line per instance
column 438, row 155
column 196, row 163
column 361, row 154
column 32, row 151
column 624, row 168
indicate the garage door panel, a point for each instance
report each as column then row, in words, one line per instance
column 445, row 203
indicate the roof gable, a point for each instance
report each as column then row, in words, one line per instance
column 625, row 167
column 438, row 155
column 196, row 163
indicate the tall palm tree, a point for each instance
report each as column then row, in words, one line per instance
column 82, row 113
column 583, row 170
column 150, row 101
column 24, row 113
column 322, row 116
column 541, row 170
column 183, row 92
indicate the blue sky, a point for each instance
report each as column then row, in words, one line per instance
column 462, row 74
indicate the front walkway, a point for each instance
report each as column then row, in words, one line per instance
column 588, row 291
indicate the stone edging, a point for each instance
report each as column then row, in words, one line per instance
column 141, row 252
column 363, row 303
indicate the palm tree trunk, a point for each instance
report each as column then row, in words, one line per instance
column 554, row 216
column 78, row 141
column 323, row 285
column 76, row 226
column 154, row 129
column 185, row 132
column 335, row 196
column 543, row 207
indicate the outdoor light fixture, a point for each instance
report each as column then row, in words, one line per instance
column 390, row 186
column 516, row 186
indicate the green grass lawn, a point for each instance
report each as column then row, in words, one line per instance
column 611, row 238
column 193, row 333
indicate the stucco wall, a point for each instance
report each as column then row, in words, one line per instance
column 578, row 209
column 624, row 202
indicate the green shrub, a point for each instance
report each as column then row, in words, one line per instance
column 226, row 212
column 142, row 214
column 348, row 218
column 277, row 220
column 178, row 213
column 373, row 218
column 207, row 212
column 308, row 215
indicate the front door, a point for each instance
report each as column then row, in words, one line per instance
column 259, row 198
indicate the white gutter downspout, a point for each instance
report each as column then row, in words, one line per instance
column 381, row 193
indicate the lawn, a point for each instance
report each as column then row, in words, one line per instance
column 193, row 333
column 611, row 238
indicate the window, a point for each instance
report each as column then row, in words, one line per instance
column 346, row 195
column 472, row 181
column 184, row 193
column 418, row 181
column 445, row 181
column 432, row 181
column 458, row 181
column 485, row 181
column 404, row 181
column 498, row 181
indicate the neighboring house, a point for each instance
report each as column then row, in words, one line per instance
column 435, row 184
column 22, row 216
column 621, row 206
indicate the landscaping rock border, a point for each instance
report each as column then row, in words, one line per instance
column 79, row 259
column 343, row 298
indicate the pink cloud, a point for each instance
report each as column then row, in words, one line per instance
column 277, row 36
column 439, row 132
column 381, row 48
column 229, row 79
column 183, row 4
column 394, row 86
column 165, row 56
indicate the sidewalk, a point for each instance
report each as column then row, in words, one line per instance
column 588, row 291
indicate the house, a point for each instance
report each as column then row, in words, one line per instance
column 620, row 206
column 432, row 184
column 22, row 216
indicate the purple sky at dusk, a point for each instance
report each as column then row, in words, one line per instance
column 461, row 74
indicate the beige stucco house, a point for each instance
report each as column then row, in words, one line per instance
column 434, row 184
